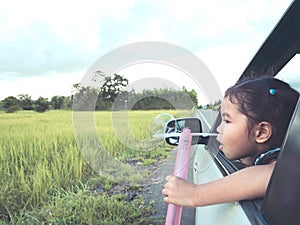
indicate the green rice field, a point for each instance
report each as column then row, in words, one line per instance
column 46, row 180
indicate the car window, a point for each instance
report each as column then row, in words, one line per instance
column 291, row 73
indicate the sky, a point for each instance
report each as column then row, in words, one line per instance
column 47, row 46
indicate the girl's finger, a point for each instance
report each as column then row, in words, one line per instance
column 168, row 177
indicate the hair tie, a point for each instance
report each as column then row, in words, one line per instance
column 272, row 91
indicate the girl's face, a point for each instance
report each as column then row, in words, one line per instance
column 235, row 140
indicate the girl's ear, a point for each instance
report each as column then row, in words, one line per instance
column 263, row 132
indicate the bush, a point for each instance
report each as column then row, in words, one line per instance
column 41, row 105
column 11, row 104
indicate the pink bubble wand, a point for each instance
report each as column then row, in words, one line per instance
column 180, row 170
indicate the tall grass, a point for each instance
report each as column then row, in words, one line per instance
column 38, row 155
column 39, row 158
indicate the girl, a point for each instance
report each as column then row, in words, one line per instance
column 255, row 117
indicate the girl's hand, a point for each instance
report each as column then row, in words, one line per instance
column 179, row 192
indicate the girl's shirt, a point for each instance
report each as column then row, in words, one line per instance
column 263, row 159
column 267, row 157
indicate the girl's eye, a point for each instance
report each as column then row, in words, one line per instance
column 226, row 121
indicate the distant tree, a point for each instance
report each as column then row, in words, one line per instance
column 104, row 94
column 166, row 98
column 58, row 102
column 41, row 105
column 68, row 102
column 121, row 102
column 11, row 104
column 192, row 94
column 25, row 102
column 76, row 88
column 218, row 103
column 84, row 98
column 112, row 86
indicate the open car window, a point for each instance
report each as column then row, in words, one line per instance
column 291, row 73
column 278, row 56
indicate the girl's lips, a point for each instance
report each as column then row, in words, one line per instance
column 219, row 138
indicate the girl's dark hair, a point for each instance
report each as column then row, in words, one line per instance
column 265, row 99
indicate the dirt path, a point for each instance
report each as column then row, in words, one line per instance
column 153, row 191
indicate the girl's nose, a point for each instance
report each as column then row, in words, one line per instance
column 220, row 128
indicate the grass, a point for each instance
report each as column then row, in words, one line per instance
column 45, row 177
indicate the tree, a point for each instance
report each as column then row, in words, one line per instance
column 58, row 102
column 109, row 88
column 84, row 98
column 26, row 102
column 192, row 94
column 42, row 104
column 112, row 86
column 166, row 98
column 121, row 102
column 68, row 102
column 11, row 104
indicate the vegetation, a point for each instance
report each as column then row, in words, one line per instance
column 214, row 106
column 108, row 96
column 24, row 102
column 46, row 180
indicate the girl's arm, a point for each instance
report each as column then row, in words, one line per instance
column 248, row 183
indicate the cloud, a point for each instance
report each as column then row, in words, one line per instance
column 45, row 86
column 42, row 37
column 46, row 38
column 197, row 25
column 227, row 61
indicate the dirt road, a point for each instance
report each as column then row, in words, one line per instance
column 153, row 191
